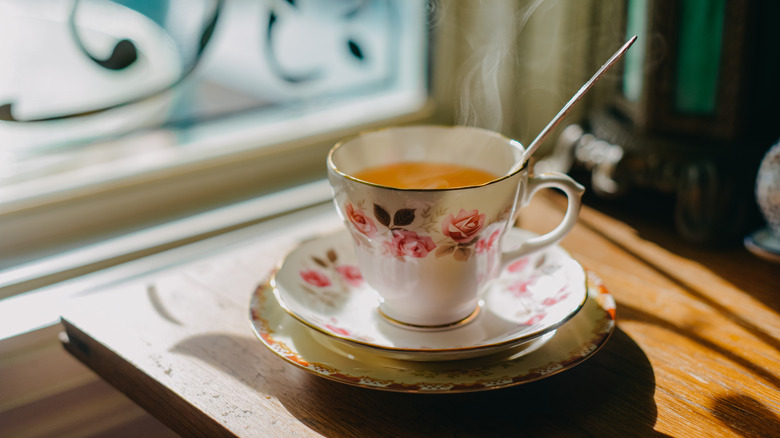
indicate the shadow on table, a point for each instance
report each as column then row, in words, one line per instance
column 610, row 394
column 652, row 218
column 736, row 410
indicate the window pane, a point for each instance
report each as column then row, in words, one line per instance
column 91, row 69
column 120, row 115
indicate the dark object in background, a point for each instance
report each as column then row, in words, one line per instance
column 696, row 111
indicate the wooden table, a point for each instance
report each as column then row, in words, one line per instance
column 696, row 349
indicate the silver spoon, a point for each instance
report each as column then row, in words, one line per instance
column 565, row 110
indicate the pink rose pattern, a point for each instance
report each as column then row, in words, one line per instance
column 485, row 245
column 315, row 278
column 406, row 243
column 462, row 232
column 350, row 274
column 520, row 287
column 465, row 234
column 409, row 244
column 518, row 265
column 337, row 330
column 464, row 227
column 560, row 296
column 534, row 319
column 334, row 288
column 360, row 221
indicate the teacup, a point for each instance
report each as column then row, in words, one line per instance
column 430, row 253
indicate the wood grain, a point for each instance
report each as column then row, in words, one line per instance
column 695, row 352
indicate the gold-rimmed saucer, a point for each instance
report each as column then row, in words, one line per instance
column 575, row 341
column 319, row 284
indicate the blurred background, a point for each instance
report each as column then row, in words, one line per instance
column 99, row 94
column 676, row 133
column 120, row 115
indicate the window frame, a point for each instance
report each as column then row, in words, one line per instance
column 91, row 196
column 66, row 235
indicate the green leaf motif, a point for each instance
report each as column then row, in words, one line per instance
column 462, row 254
column 444, row 250
column 382, row 215
column 403, row 217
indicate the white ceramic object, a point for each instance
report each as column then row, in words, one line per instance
column 766, row 242
column 320, row 284
column 430, row 253
column 573, row 343
column 768, row 188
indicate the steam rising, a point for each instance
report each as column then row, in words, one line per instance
column 510, row 65
column 480, row 100
column 490, row 31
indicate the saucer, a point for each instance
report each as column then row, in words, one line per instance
column 319, row 284
column 514, row 350
column 764, row 244
column 574, row 342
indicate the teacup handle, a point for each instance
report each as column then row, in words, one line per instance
column 573, row 191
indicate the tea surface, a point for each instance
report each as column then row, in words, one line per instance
column 425, row 175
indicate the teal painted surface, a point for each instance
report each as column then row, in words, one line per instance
column 699, row 56
column 634, row 59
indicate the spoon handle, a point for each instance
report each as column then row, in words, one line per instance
column 565, row 110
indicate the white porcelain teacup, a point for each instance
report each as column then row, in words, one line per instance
column 430, row 253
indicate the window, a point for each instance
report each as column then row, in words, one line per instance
column 125, row 116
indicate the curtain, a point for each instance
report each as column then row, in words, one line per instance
column 511, row 65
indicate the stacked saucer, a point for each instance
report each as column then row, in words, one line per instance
column 542, row 315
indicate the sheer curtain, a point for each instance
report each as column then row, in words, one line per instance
column 510, row 65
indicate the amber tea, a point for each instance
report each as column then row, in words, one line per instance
column 425, row 175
